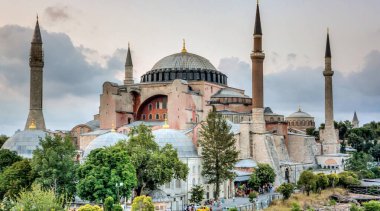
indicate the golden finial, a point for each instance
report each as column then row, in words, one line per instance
column 184, row 47
column 165, row 126
column 32, row 125
column 113, row 128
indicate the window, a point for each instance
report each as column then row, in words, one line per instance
column 150, row 116
column 157, row 105
column 143, row 117
column 164, row 103
column 193, row 181
column 178, row 183
column 164, row 116
column 157, row 116
column 150, row 107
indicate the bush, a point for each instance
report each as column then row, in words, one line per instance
column 322, row 181
column 142, row 203
column 117, row 207
column 89, row 207
column 348, row 178
column 233, row 209
column 286, row 189
column 296, row 207
column 371, row 206
column 333, row 180
column 355, row 207
column 307, row 181
column 108, row 204
column 252, row 196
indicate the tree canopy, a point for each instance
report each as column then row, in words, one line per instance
column 154, row 166
column 197, row 193
column 307, row 181
column 142, row 203
column 7, row 158
column 219, row 152
column 54, row 164
column 263, row 175
column 102, row 171
column 3, row 139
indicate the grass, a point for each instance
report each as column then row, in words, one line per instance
column 314, row 200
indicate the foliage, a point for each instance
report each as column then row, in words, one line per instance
column 89, row 207
column 375, row 127
column 322, row 181
column 3, row 139
column 232, row 209
column 54, row 164
column 361, row 139
column 286, row 189
column 355, row 207
column 117, row 207
column 218, row 150
column 15, row 178
column 263, row 175
column 252, row 196
column 7, row 158
column 358, row 161
column 142, row 203
column 154, row 166
column 39, row 199
column 371, row 206
column 103, row 169
column 376, row 171
column 375, row 152
column 296, row 207
column 348, row 178
column 307, row 181
column 197, row 193
column 356, row 141
column 333, row 180
column 108, row 203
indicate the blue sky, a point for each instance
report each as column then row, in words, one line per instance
column 85, row 44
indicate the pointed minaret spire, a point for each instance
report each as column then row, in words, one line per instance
column 258, row 21
column 355, row 121
column 128, row 68
column 36, row 63
column 328, row 50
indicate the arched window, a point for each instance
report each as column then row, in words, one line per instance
column 150, row 116
column 271, row 119
column 157, row 116
column 164, row 116
column 178, row 183
column 157, row 105
column 143, row 117
column 150, row 107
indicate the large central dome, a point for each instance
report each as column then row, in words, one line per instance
column 185, row 66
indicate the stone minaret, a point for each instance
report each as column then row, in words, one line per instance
column 36, row 63
column 330, row 140
column 257, row 57
column 128, row 68
column 355, row 121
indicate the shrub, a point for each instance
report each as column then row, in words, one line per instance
column 117, row 207
column 108, row 203
column 307, row 181
column 252, row 196
column 333, row 180
column 348, row 178
column 296, row 207
column 89, row 207
column 233, row 209
column 355, row 207
column 371, row 206
column 286, row 189
column 322, row 181
column 142, row 203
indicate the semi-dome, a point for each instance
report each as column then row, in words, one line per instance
column 24, row 142
column 300, row 114
column 105, row 140
column 185, row 66
column 183, row 144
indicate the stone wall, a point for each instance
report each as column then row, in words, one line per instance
column 301, row 148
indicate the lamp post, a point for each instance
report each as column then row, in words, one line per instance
column 118, row 185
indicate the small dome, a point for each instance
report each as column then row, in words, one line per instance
column 183, row 144
column 25, row 142
column 246, row 163
column 300, row 114
column 158, row 196
column 105, row 140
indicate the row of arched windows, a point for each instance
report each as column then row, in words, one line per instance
column 150, row 117
column 301, row 123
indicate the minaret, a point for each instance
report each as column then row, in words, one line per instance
column 330, row 139
column 257, row 57
column 355, row 121
column 128, row 68
column 36, row 63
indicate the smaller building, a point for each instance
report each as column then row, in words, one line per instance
column 300, row 120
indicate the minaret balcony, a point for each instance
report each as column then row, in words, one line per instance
column 328, row 73
column 257, row 55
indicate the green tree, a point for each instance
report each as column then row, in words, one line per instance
column 355, row 207
column 54, row 164
column 322, row 182
column 142, row 203
column 307, row 181
column 3, row 139
column 333, row 180
column 7, row 158
column 356, row 141
column 296, row 207
column 286, row 189
column 102, row 170
column 371, row 206
column 154, row 166
column 89, row 207
column 348, row 178
column 262, row 176
column 15, row 178
column 375, row 152
column 358, row 162
column 197, row 193
column 218, row 150
column 108, row 203
column 38, row 199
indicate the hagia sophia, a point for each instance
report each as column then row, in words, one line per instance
column 174, row 98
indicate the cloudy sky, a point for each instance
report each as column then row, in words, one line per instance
column 85, row 44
